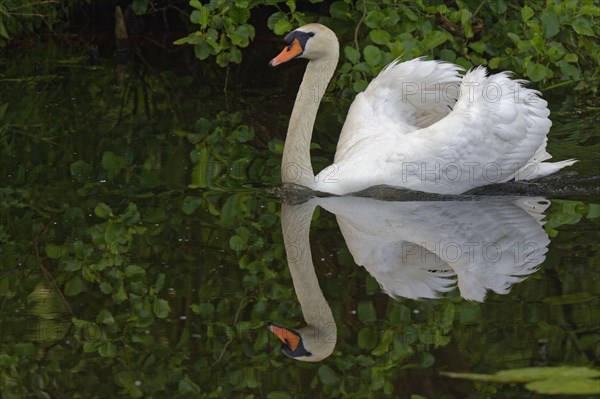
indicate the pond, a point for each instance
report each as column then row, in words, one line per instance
column 146, row 251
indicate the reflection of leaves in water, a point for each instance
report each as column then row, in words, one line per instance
column 172, row 261
column 566, row 212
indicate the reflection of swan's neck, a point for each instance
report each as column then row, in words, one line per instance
column 321, row 330
column 296, row 167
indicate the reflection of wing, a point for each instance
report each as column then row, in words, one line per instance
column 415, row 249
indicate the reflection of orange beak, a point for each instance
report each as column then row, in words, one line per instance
column 287, row 53
column 285, row 335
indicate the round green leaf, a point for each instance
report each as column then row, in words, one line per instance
column 107, row 349
column 134, row 272
column 372, row 55
column 536, row 72
column 352, row 54
column 367, row 338
column 201, row 50
column 380, row 36
column 327, row 375
column 54, row 251
column 161, row 308
column 366, row 312
column 103, row 211
column 282, row 26
column 139, row 7
column 74, row 286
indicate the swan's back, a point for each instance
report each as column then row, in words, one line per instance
column 425, row 140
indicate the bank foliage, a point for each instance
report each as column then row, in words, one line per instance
column 549, row 42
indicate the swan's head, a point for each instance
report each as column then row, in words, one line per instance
column 312, row 41
column 308, row 344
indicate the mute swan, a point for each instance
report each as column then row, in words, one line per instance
column 414, row 250
column 408, row 128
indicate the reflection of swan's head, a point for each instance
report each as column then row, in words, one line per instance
column 312, row 41
column 308, row 344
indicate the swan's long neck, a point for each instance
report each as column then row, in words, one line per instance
column 295, row 223
column 296, row 166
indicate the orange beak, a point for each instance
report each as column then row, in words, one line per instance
column 288, row 53
column 286, row 336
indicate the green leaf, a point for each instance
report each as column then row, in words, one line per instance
column 134, row 272
column 339, row 10
column 237, row 243
column 367, row 338
column 103, row 211
column 583, row 26
column 327, row 375
column 114, row 233
column 426, row 360
column 550, row 23
column 465, row 21
column 447, row 55
column 374, row 19
column 105, row 317
column 360, row 85
column 372, row 55
column 139, row 7
column 352, row 54
column 190, row 204
column 274, row 18
column 161, row 308
column 282, row 26
column 3, row 31
column 54, row 251
column 535, row 71
column 561, row 386
column 538, row 43
column 112, row 163
column 81, row 171
column 579, row 297
column 200, row 171
column 120, row 294
column 196, row 4
column 242, row 134
column 541, row 373
column 105, row 288
column 366, row 312
column 526, row 13
column 107, row 349
column 196, row 16
column 571, row 58
column 380, row 36
column 434, row 39
column 469, row 313
column 478, row 46
column 74, row 286
column 204, row 310
column 202, row 50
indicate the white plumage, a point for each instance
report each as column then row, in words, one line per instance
column 420, row 125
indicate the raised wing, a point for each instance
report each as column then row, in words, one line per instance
column 404, row 97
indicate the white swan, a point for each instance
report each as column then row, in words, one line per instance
column 418, row 125
column 414, row 250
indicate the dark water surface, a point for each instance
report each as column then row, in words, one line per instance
column 143, row 253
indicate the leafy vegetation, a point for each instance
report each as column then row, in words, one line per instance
column 551, row 43
column 26, row 17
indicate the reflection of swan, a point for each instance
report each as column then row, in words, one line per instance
column 414, row 250
column 407, row 129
